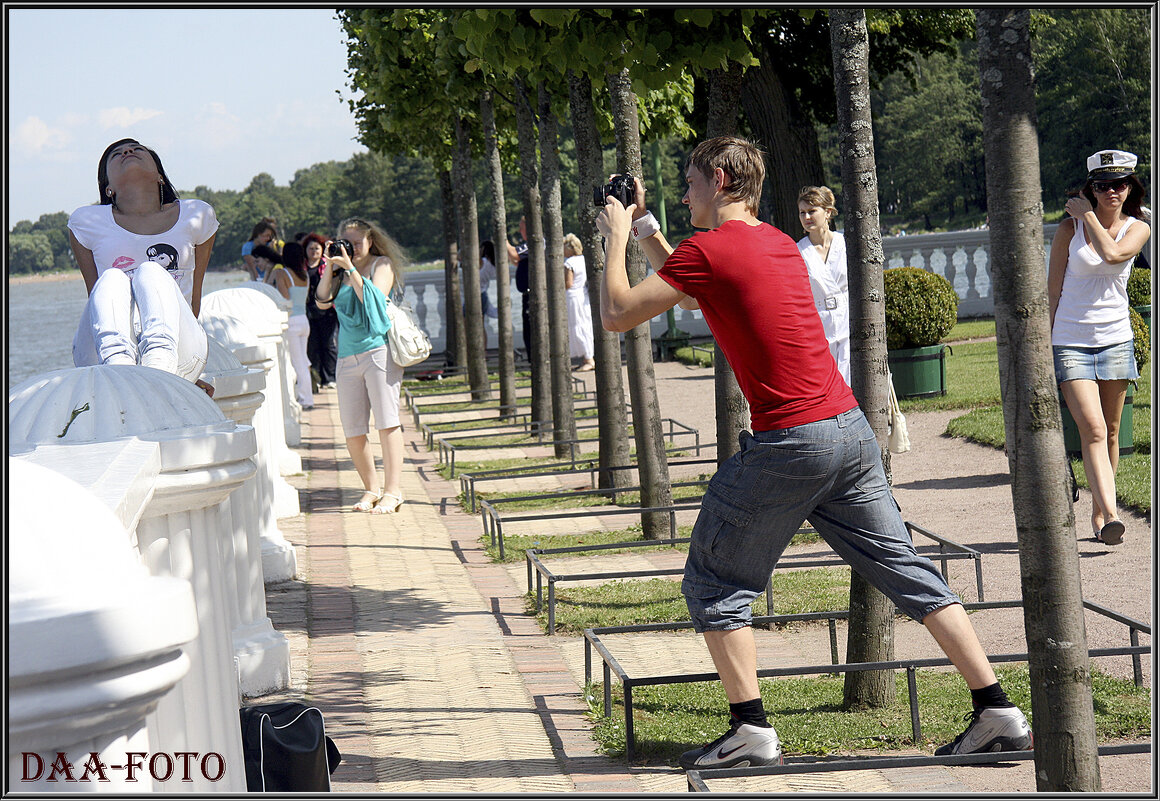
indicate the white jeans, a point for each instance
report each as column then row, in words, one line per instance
column 297, row 332
column 143, row 319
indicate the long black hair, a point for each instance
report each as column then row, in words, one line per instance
column 1132, row 206
column 168, row 193
column 294, row 259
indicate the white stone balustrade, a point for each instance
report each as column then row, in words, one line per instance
column 961, row 257
column 253, row 303
column 262, row 653
column 253, row 351
column 203, row 458
column 94, row 641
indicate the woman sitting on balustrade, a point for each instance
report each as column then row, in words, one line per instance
column 143, row 255
column 1091, row 336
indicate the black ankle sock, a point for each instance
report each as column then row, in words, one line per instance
column 751, row 712
column 990, row 696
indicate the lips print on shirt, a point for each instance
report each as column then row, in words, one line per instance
column 123, row 262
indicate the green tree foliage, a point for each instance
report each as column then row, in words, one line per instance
column 1094, row 90
column 928, row 138
column 29, row 253
column 921, row 307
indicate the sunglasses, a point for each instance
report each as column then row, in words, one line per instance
column 1109, row 186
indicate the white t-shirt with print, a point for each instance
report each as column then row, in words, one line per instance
column 115, row 247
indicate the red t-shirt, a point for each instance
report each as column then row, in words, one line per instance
column 754, row 291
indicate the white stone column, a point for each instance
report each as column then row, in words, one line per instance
column 261, row 652
column 93, row 640
column 276, row 498
column 258, row 306
column 204, row 457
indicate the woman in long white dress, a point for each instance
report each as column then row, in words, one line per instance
column 824, row 252
column 580, row 338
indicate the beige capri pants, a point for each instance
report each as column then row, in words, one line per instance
column 368, row 382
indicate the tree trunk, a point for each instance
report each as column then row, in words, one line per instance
column 455, row 352
column 653, row 463
column 469, row 259
column 563, row 412
column 1061, row 698
column 503, row 291
column 732, row 408
column 537, row 280
column 611, row 412
column 787, row 136
column 870, row 637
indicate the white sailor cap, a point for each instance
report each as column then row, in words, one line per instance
column 1110, row 164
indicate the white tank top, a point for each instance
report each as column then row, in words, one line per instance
column 1093, row 304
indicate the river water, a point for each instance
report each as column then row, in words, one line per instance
column 43, row 315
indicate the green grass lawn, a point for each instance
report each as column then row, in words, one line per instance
column 669, row 719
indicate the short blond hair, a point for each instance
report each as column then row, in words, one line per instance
column 740, row 159
column 572, row 242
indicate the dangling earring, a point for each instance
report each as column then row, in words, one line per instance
column 113, row 196
column 161, row 192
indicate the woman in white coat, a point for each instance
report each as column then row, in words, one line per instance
column 824, row 252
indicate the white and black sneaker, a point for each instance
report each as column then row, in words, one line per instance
column 742, row 746
column 992, row 728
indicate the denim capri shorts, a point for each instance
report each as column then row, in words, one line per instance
column 829, row 471
column 1109, row 363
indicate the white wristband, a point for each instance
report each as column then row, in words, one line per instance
column 644, row 227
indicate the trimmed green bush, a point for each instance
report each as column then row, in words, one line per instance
column 1139, row 287
column 1141, row 343
column 921, row 307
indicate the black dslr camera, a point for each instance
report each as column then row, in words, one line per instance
column 620, row 187
column 336, row 247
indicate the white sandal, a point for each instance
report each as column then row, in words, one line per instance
column 388, row 503
column 367, row 504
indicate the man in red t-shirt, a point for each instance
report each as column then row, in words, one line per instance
column 812, row 454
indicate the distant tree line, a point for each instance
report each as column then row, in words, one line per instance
column 1093, row 89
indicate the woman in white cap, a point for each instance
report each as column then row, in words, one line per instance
column 1091, row 337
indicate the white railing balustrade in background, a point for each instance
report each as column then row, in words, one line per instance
column 274, row 496
column 254, row 305
column 203, row 458
column 94, row 641
column 262, row 653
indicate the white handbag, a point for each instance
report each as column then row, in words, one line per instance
column 899, row 438
column 408, row 342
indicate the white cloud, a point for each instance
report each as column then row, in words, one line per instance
column 123, row 117
column 34, row 135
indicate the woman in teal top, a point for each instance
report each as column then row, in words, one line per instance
column 357, row 284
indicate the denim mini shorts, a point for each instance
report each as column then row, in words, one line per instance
column 829, row 472
column 1109, row 363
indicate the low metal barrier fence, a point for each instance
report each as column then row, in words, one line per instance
column 592, row 641
column 544, row 573
column 447, row 447
column 468, row 481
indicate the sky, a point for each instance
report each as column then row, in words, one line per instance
column 221, row 94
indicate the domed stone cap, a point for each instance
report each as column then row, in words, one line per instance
column 250, row 305
column 106, row 402
column 221, row 360
column 228, row 329
column 271, row 292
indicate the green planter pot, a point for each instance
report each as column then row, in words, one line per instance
column 919, row 372
column 1071, row 441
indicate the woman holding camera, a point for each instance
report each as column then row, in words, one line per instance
column 143, row 255
column 1091, row 336
column 363, row 270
